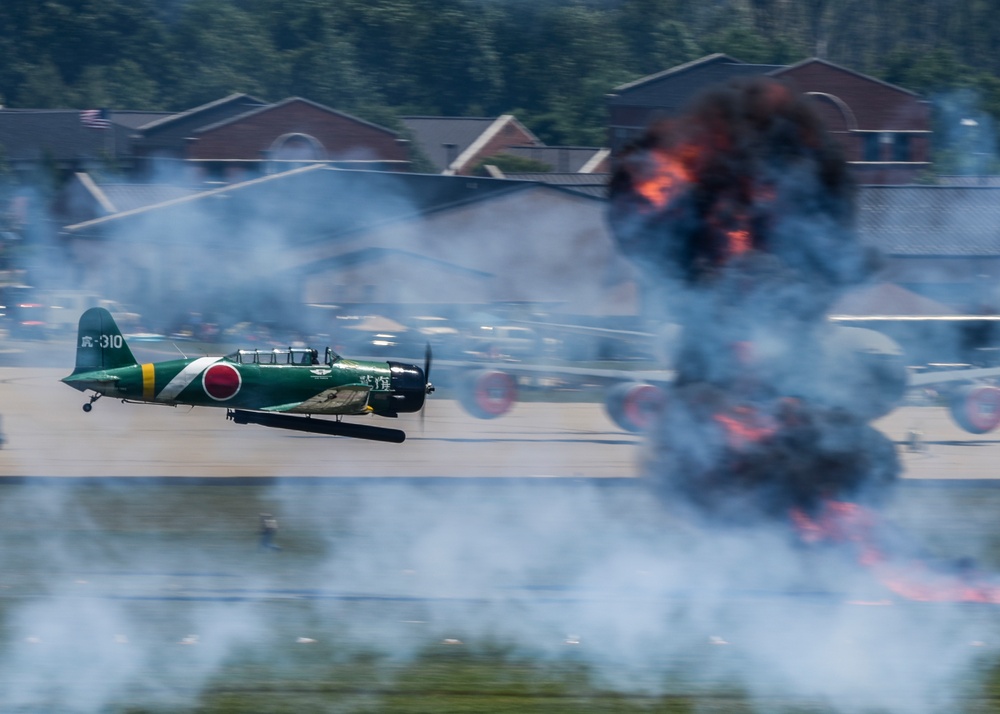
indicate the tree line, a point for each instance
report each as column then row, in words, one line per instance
column 549, row 62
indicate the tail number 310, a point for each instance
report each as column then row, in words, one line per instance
column 104, row 341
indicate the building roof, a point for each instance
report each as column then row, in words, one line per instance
column 34, row 134
column 817, row 60
column 672, row 89
column 374, row 255
column 283, row 103
column 352, row 200
column 593, row 185
column 938, row 221
column 128, row 197
column 968, row 181
column 451, row 142
column 172, row 131
column 444, row 138
column 564, row 159
column 887, row 299
column 136, row 119
column 230, row 105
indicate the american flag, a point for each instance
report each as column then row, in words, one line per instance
column 95, row 118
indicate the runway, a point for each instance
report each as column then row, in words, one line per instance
column 48, row 434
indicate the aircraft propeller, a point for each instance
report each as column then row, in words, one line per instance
column 428, row 387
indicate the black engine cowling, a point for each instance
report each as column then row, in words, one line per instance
column 409, row 388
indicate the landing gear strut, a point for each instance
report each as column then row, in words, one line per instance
column 90, row 405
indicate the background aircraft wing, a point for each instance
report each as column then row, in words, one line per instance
column 347, row 399
column 923, row 379
column 558, row 370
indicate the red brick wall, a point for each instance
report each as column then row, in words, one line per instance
column 875, row 105
column 341, row 136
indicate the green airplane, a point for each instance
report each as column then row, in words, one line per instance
column 255, row 386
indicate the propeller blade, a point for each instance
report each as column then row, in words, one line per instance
column 428, row 387
column 427, row 363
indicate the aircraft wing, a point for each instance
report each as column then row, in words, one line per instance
column 952, row 375
column 560, row 370
column 346, row 399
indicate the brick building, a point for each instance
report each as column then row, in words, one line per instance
column 885, row 130
column 242, row 135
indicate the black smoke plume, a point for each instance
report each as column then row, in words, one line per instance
column 741, row 214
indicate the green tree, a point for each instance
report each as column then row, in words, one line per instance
column 216, row 49
column 121, row 85
column 745, row 44
column 42, row 87
column 426, row 56
column 561, row 62
column 317, row 59
column 508, row 163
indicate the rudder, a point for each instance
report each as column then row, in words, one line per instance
column 100, row 344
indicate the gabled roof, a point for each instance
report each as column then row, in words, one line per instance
column 452, row 142
column 816, row 60
column 673, row 88
column 284, row 103
column 231, row 105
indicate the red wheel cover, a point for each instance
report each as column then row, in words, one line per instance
column 982, row 409
column 641, row 404
column 495, row 392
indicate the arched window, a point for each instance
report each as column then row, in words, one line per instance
column 297, row 147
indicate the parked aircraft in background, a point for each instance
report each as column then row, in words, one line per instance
column 869, row 370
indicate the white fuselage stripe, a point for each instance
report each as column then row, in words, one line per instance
column 187, row 375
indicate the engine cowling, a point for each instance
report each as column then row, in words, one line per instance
column 634, row 406
column 487, row 393
column 976, row 408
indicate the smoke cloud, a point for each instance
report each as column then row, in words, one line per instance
column 690, row 581
column 561, row 576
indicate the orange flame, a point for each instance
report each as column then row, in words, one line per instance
column 745, row 425
column 739, row 241
column 848, row 523
column 666, row 176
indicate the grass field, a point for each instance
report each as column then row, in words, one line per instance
column 144, row 596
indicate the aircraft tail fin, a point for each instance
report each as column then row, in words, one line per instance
column 100, row 344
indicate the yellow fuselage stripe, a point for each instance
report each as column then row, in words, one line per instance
column 148, row 382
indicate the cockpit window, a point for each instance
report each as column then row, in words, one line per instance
column 287, row 355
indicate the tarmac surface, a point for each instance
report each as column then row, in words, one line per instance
column 47, row 434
